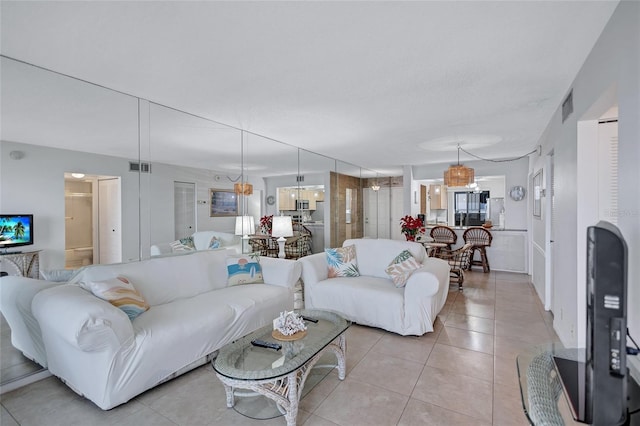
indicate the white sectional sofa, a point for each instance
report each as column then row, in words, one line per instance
column 202, row 241
column 103, row 355
column 372, row 298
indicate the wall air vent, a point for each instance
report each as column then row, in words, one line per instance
column 567, row 106
column 139, row 167
column 300, row 178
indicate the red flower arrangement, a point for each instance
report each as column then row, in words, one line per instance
column 411, row 227
column 266, row 223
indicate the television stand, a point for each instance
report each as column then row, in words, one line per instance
column 541, row 388
column 10, row 252
column 26, row 263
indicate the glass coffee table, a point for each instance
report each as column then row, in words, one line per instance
column 280, row 375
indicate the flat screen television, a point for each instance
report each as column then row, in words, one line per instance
column 597, row 386
column 15, row 230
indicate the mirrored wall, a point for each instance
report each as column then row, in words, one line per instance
column 127, row 174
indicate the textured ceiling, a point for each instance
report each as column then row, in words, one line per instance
column 378, row 84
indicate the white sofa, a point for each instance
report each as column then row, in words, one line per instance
column 16, row 294
column 101, row 354
column 201, row 241
column 372, row 298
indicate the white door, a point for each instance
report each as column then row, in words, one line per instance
column 184, row 204
column 549, row 241
column 109, row 220
column 384, row 212
column 396, row 203
column 370, row 203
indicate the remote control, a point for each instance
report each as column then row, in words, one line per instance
column 310, row 319
column 265, row 344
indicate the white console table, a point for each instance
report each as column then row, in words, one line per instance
column 27, row 263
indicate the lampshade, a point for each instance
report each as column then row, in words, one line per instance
column 243, row 188
column 244, row 225
column 459, row 175
column 282, row 226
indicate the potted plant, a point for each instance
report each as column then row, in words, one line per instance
column 411, row 227
column 266, row 222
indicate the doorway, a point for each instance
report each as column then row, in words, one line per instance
column 93, row 220
column 184, row 204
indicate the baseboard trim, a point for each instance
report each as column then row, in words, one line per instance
column 24, row 381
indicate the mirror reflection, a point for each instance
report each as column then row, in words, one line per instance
column 113, row 178
column 480, row 203
column 66, row 144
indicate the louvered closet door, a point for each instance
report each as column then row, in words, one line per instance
column 608, row 171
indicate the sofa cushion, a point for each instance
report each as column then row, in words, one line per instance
column 402, row 267
column 120, row 293
column 164, row 279
column 364, row 300
column 374, row 255
column 342, row 262
column 244, row 269
column 202, row 239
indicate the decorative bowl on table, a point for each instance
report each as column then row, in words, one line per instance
column 289, row 326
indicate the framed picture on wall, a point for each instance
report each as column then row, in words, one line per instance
column 224, row 202
column 537, row 194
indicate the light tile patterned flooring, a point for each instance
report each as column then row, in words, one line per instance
column 462, row 374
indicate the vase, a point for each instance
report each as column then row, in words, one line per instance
column 410, row 237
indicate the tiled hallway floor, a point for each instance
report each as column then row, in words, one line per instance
column 462, row 374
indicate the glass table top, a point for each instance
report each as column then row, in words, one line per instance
column 241, row 360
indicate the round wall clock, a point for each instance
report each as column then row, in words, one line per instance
column 517, row 193
column 271, row 200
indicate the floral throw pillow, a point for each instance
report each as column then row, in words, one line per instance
column 244, row 269
column 401, row 268
column 342, row 262
column 121, row 294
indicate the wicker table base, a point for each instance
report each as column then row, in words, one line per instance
column 286, row 390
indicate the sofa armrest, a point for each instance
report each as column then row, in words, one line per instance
column 160, row 249
column 282, row 272
column 80, row 319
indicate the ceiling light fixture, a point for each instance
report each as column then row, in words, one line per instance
column 458, row 175
column 77, row 175
column 375, row 187
column 243, row 188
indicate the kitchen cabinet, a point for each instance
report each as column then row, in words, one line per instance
column 287, row 198
column 438, row 197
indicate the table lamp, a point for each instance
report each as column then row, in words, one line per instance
column 244, row 227
column 282, row 227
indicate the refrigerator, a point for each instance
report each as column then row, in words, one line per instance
column 495, row 212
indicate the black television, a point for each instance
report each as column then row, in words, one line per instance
column 597, row 385
column 15, row 230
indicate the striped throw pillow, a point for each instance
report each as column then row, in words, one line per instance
column 121, row 294
column 401, row 268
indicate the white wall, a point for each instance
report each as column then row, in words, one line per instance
column 35, row 184
column 609, row 76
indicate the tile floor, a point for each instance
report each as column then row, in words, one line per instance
column 462, row 374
